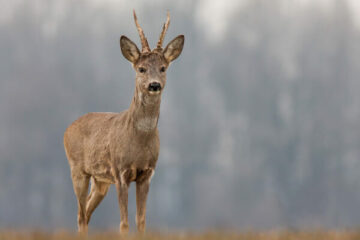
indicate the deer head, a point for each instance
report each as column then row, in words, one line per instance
column 151, row 65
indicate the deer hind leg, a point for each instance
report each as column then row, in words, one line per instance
column 97, row 194
column 142, row 189
column 81, row 186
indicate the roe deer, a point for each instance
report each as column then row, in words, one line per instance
column 118, row 148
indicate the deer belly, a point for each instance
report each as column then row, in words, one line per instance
column 101, row 172
column 104, row 179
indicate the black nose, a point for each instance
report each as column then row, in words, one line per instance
column 154, row 86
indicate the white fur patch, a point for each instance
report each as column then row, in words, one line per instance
column 122, row 178
column 146, row 124
column 151, row 175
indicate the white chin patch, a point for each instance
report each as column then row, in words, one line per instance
column 154, row 92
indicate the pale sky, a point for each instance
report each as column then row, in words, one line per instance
column 212, row 13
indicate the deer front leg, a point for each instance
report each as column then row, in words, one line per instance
column 142, row 189
column 122, row 189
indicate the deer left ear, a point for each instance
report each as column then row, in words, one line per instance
column 174, row 48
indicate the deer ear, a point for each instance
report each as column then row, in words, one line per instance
column 129, row 49
column 174, row 48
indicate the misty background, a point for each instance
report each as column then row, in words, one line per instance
column 259, row 119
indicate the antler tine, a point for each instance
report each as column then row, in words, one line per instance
column 165, row 27
column 144, row 42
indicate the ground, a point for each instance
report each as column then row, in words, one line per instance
column 210, row 235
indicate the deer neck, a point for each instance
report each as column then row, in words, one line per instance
column 144, row 111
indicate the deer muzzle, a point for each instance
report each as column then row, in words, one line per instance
column 154, row 87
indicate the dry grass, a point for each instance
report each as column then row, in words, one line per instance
column 271, row 235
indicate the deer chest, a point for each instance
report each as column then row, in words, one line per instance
column 137, row 152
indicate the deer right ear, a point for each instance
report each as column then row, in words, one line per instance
column 129, row 49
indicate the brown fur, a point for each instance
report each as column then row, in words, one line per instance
column 118, row 148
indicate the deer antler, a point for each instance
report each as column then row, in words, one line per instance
column 162, row 35
column 144, row 42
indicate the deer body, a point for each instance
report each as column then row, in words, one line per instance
column 118, row 148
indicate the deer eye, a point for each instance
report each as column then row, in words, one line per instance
column 162, row 69
column 142, row 70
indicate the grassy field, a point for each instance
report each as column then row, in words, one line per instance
column 271, row 235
